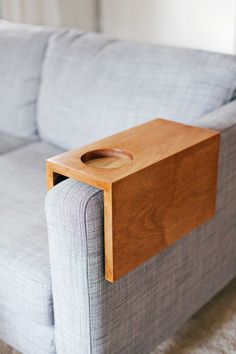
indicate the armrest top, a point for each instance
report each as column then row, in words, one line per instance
column 220, row 119
column 111, row 159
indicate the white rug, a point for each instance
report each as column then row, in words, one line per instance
column 211, row 331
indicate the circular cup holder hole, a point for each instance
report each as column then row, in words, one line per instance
column 107, row 158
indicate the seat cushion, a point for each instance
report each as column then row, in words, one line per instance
column 93, row 87
column 9, row 143
column 22, row 49
column 24, row 259
column 25, row 335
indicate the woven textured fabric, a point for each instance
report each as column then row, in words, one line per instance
column 22, row 49
column 93, row 87
column 24, row 335
column 141, row 309
column 24, row 261
column 10, row 143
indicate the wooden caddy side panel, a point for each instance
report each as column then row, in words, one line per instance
column 174, row 197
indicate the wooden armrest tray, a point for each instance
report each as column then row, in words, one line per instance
column 159, row 181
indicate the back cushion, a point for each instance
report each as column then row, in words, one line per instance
column 93, row 87
column 22, row 49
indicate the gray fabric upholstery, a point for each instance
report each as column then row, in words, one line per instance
column 221, row 119
column 93, row 86
column 24, row 261
column 143, row 308
column 9, row 143
column 22, row 49
column 24, row 335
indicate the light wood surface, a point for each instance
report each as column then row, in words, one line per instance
column 159, row 181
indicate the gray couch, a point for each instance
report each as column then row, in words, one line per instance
column 61, row 89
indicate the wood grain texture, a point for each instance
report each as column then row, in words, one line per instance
column 159, row 181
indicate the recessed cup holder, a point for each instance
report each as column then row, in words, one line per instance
column 107, row 158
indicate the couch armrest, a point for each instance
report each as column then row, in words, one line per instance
column 75, row 228
column 220, row 119
column 141, row 309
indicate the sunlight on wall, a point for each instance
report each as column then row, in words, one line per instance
column 203, row 24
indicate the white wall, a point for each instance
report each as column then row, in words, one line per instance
column 74, row 13
column 79, row 13
column 203, row 24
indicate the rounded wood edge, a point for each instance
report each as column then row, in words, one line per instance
column 107, row 158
